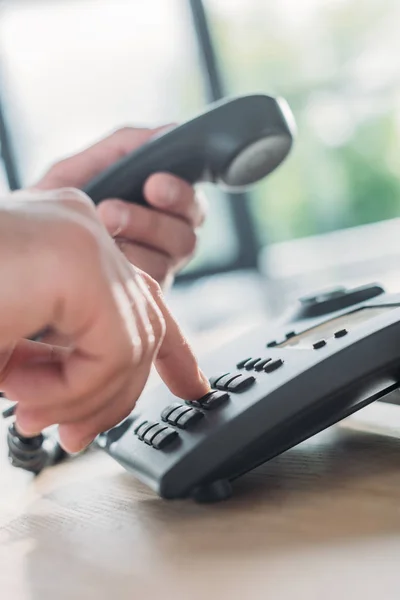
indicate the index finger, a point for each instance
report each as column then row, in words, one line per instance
column 176, row 362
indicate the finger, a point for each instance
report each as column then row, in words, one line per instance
column 83, row 372
column 146, row 227
column 44, row 401
column 176, row 197
column 53, row 338
column 75, row 437
column 39, row 414
column 35, row 352
column 39, row 411
column 77, row 170
column 176, row 362
column 27, row 351
column 158, row 265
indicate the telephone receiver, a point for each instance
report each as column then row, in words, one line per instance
column 233, row 144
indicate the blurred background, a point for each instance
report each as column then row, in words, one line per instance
column 71, row 71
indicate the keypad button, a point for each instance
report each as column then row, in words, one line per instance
column 341, row 333
column 152, row 432
column 319, row 344
column 189, row 418
column 144, row 430
column 241, row 363
column 222, row 383
column 273, row 365
column 178, row 412
column 141, row 431
column 272, row 344
column 193, row 403
column 139, row 427
column 164, row 438
column 213, row 400
column 241, row 383
column 251, row 363
column 167, row 411
column 214, row 380
column 261, row 364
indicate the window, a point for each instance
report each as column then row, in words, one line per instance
column 74, row 70
column 336, row 62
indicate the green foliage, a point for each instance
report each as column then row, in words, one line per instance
column 344, row 170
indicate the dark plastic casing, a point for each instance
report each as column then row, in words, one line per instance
column 234, row 143
column 329, row 366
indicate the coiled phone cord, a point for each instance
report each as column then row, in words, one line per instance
column 32, row 454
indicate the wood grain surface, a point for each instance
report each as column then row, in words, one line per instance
column 322, row 521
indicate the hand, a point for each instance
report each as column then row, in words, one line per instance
column 161, row 241
column 61, row 270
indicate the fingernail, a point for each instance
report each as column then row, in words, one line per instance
column 205, row 379
column 115, row 217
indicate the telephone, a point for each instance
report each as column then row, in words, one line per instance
column 338, row 350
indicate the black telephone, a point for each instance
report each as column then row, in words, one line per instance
column 337, row 352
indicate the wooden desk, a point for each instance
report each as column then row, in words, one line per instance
column 320, row 522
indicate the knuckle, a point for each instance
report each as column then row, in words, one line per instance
column 141, row 223
column 127, row 354
column 152, row 284
column 56, row 170
column 158, row 323
column 123, row 131
column 153, row 225
column 127, row 137
column 144, row 224
column 129, row 344
column 155, row 333
column 73, row 195
column 161, row 269
column 117, row 215
column 188, row 243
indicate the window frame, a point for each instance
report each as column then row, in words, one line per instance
column 248, row 247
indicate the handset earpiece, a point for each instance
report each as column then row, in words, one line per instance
column 235, row 143
column 262, row 142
